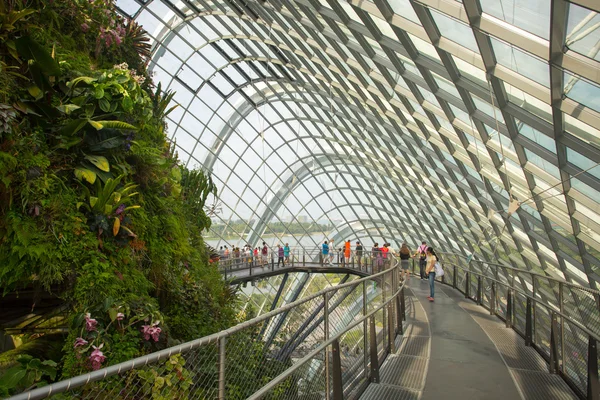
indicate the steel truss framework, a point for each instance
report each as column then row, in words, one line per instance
column 409, row 119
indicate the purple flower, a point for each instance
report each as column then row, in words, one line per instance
column 85, row 27
column 120, row 209
column 90, row 323
column 120, row 316
column 97, row 357
column 79, row 342
column 151, row 331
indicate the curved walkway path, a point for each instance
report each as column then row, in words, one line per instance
column 454, row 350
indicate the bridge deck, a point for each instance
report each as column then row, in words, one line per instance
column 453, row 349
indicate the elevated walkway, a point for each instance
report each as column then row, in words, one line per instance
column 375, row 338
column 453, row 349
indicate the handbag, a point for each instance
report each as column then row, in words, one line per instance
column 439, row 271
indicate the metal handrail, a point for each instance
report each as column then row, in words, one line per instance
column 593, row 384
column 81, row 380
column 278, row 379
column 579, row 287
column 537, row 301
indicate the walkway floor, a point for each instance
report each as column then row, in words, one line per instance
column 454, row 350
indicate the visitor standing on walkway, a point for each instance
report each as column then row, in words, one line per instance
column 384, row 255
column 430, row 271
column 256, row 262
column 422, row 253
column 280, row 255
column 359, row 253
column 347, row 251
column 375, row 253
column 264, row 253
column 324, row 252
column 404, row 261
column 286, row 252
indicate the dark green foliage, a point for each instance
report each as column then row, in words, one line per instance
column 94, row 204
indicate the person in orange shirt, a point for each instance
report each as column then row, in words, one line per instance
column 347, row 251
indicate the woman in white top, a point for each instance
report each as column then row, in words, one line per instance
column 430, row 271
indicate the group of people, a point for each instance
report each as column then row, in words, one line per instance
column 257, row 256
column 381, row 256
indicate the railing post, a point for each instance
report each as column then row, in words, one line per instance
column 528, row 324
column 326, row 329
column 454, row 278
column 554, row 362
column 593, row 386
column 373, row 351
column 403, row 305
column 493, row 299
column 222, row 368
column 338, row 391
column 479, row 290
column 272, row 262
column 533, row 307
column 467, row 284
column 303, row 259
column 399, row 326
column 391, row 335
column 508, row 308
column 365, row 330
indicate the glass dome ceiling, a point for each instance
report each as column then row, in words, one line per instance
column 394, row 120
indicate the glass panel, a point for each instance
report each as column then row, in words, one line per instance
column 582, row 91
column 531, row 15
column 521, row 62
column 583, row 34
column 454, row 30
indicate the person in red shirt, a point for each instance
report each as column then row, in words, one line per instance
column 347, row 251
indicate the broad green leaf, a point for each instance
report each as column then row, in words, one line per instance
column 131, row 208
column 115, row 125
column 100, row 162
column 12, row 49
column 73, row 127
column 116, row 226
column 93, row 201
column 176, row 173
column 84, row 173
column 127, row 103
column 95, row 124
column 35, row 92
column 12, row 377
column 99, row 93
column 68, row 108
column 112, row 313
column 107, row 144
column 104, row 105
column 31, row 50
column 85, row 79
column 90, row 109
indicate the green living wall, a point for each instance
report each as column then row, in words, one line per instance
column 95, row 208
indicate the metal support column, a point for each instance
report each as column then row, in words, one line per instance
column 326, row 329
column 479, row 291
column 373, row 351
column 222, row 368
column 454, row 270
column 467, row 284
column 338, row 391
column 593, row 386
column 554, row 362
column 508, row 308
column 493, row 299
column 528, row 324
column 365, row 329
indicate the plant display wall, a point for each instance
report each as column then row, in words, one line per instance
column 95, row 207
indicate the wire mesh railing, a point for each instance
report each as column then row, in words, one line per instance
column 559, row 319
column 250, row 264
column 324, row 345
